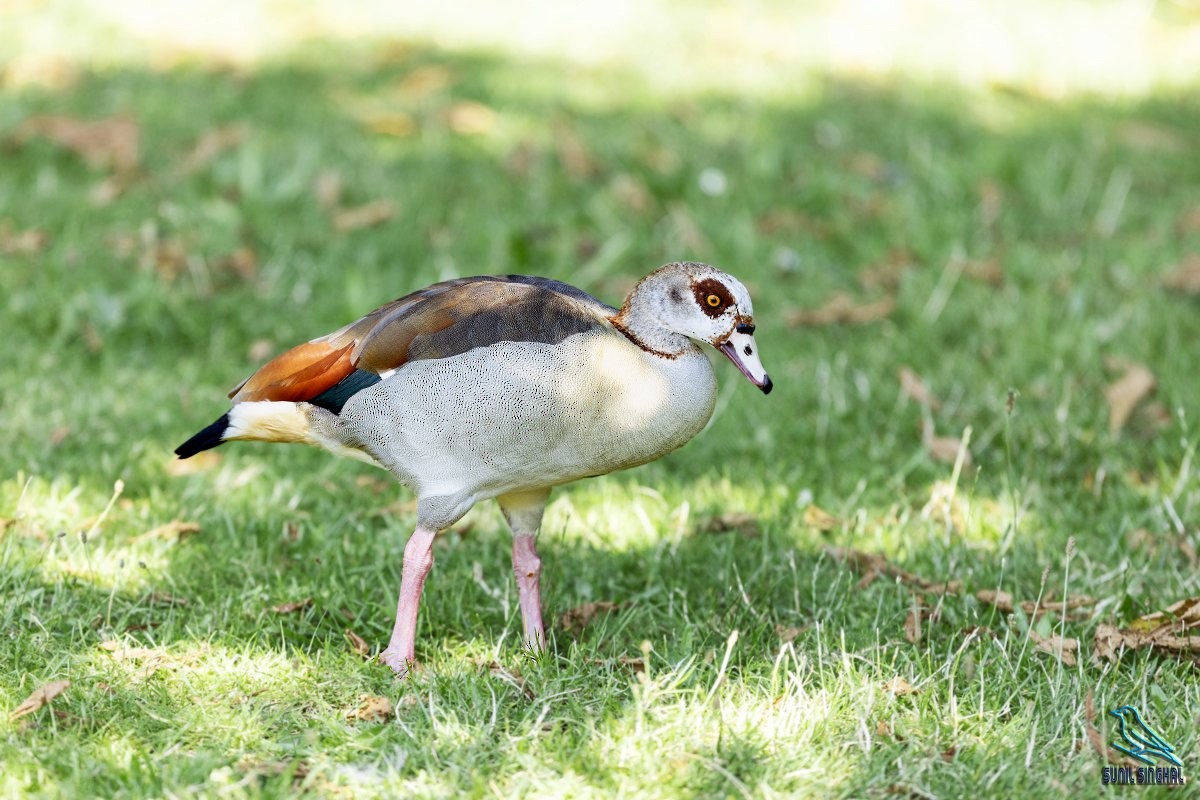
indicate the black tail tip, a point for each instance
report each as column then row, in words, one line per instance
column 206, row 439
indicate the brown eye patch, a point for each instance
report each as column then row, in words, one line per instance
column 712, row 296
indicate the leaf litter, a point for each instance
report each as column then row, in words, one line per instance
column 578, row 618
column 40, row 698
column 1136, row 383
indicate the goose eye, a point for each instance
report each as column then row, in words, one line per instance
column 713, row 301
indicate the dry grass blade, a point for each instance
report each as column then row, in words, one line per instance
column 40, row 697
column 873, row 566
column 1123, row 395
column 578, row 618
column 841, row 309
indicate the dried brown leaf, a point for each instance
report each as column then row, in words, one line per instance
column 820, row 519
column 211, row 144
column 424, row 81
column 371, row 708
column 685, row 231
column 912, row 386
column 944, row 448
column 842, row 309
column 989, row 271
column 991, row 202
column 41, row 697
column 394, row 123
column 788, row 633
column 899, row 687
column 1176, row 618
column 631, row 192
column 886, row 275
column 1186, row 276
column 573, row 153
column 1097, row 739
column 868, row 165
column 358, row 644
column 576, row 619
column 259, row 351
column 242, row 262
column 1189, row 221
column 22, row 243
column 876, row 565
column 471, row 118
column 742, row 523
column 102, row 143
column 512, row 677
column 1062, row 648
column 912, row 625
column 1005, row 602
column 327, row 187
column 292, row 608
column 1142, row 135
column 176, row 530
column 1123, row 395
column 1110, row 641
column 364, row 216
column 792, row 222
column 636, row 663
column 149, row 660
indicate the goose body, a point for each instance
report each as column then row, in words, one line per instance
column 501, row 387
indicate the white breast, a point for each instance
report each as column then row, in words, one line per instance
column 523, row 414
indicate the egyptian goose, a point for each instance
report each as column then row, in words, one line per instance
column 501, row 387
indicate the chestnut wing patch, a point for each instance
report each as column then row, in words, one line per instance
column 444, row 320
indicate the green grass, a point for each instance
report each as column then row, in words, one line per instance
column 113, row 357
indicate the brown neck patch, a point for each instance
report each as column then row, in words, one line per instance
column 712, row 297
column 633, row 337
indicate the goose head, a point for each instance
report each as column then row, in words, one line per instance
column 701, row 303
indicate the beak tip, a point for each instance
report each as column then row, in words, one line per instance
column 767, row 385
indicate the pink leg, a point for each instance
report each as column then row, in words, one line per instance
column 527, row 566
column 418, row 560
column 523, row 510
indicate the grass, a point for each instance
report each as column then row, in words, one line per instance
column 126, row 328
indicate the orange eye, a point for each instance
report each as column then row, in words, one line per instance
column 713, row 301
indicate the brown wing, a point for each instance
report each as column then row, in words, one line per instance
column 444, row 320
